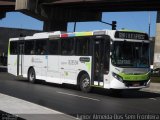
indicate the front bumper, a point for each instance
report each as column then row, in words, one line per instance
column 116, row 84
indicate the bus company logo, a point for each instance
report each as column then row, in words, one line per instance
column 72, row 62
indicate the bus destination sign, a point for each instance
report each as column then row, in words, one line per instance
column 131, row 35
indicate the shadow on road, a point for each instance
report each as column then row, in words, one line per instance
column 126, row 93
column 117, row 94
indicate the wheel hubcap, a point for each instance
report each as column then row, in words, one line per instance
column 32, row 76
column 85, row 83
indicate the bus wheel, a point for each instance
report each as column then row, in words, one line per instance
column 32, row 76
column 85, row 83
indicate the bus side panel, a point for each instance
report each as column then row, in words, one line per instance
column 12, row 64
column 53, row 71
column 39, row 63
column 71, row 66
column 28, row 62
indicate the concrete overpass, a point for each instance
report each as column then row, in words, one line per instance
column 56, row 13
column 6, row 6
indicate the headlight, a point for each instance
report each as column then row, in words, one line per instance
column 117, row 77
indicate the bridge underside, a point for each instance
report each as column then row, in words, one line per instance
column 107, row 5
column 6, row 6
column 57, row 13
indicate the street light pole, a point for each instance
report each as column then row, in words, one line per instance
column 113, row 24
column 75, row 23
column 149, row 24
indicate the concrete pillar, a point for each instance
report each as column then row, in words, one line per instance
column 157, row 43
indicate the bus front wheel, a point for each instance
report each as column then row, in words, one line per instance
column 32, row 75
column 85, row 83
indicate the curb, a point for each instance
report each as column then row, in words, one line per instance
column 19, row 108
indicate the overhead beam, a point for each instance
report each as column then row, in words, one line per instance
column 108, row 5
column 38, row 10
column 6, row 6
column 32, row 8
column 63, row 11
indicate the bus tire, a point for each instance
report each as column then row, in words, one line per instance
column 85, row 83
column 32, row 75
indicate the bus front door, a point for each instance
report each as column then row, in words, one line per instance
column 101, row 53
column 20, row 58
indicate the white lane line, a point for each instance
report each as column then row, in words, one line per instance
column 78, row 96
column 152, row 98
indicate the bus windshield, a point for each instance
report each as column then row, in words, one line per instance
column 130, row 54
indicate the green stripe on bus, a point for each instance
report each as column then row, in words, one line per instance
column 88, row 64
column 125, row 30
column 9, row 49
column 84, row 34
column 15, row 62
column 134, row 77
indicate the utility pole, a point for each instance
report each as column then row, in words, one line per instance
column 149, row 24
column 75, row 23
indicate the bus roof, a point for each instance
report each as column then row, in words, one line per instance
column 61, row 34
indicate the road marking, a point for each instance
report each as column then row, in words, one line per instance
column 152, row 98
column 78, row 96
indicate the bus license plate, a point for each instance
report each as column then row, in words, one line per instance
column 136, row 85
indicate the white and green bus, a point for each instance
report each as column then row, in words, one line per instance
column 108, row 59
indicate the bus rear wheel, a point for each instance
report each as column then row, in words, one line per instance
column 32, row 75
column 85, row 83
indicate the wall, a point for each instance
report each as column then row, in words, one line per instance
column 6, row 33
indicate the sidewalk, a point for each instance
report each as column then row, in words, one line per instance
column 28, row 110
column 154, row 87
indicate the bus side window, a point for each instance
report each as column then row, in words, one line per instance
column 67, row 46
column 53, row 47
column 41, row 47
column 29, row 47
column 82, row 45
column 13, row 47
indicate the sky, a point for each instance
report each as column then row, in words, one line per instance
column 128, row 20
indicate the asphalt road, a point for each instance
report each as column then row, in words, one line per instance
column 68, row 100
